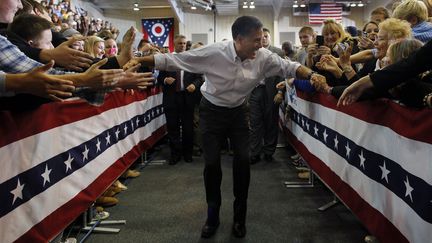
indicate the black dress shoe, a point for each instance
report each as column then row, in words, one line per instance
column 209, row 230
column 255, row 159
column 239, row 230
column 174, row 160
column 268, row 157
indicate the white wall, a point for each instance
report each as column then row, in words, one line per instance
column 200, row 24
column 204, row 23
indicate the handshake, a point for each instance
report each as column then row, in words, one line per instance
column 319, row 83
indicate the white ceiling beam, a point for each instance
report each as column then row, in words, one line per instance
column 177, row 10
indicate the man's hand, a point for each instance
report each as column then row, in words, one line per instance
column 126, row 52
column 191, row 88
column 324, row 50
column 67, row 57
column 365, row 43
column 319, row 82
column 98, row 78
column 278, row 98
column 136, row 80
column 354, row 91
column 169, row 80
column 328, row 63
column 131, row 63
column 344, row 55
column 281, row 85
column 38, row 83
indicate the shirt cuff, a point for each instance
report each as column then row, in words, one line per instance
column 2, row 82
column 294, row 74
column 159, row 61
column 3, row 91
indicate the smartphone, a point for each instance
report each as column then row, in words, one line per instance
column 320, row 40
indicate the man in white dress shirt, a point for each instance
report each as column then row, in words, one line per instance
column 232, row 69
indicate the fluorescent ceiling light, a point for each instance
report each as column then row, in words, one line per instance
column 245, row 6
column 136, row 9
column 252, row 6
column 353, row 5
column 360, row 5
column 136, row 5
column 302, row 5
column 295, row 6
column 193, row 7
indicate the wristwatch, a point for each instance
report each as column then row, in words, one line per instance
column 347, row 69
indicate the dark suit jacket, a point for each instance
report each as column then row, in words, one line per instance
column 169, row 90
column 270, row 83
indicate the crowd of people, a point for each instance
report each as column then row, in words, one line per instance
column 66, row 53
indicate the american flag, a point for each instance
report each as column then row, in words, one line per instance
column 318, row 12
column 57, row 159
column 159, row 31
column 376, row 156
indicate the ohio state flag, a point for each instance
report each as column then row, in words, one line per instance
column 159, row 31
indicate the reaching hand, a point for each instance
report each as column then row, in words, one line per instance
column 344, row 55
column 101, row 78
column 131, row 63
column 354, row 91
column 312, row 49
column 128, row 40
column 365, row 43
column 67, row 57
column 324, row 50
column 319, row 82
column 38, row 83
column 281, row 85
column 132, row 80
column 126, row 52
column 278, row 98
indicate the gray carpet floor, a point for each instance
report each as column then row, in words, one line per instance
column 167, row 204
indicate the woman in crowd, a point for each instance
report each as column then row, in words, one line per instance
column 334, row 36
column 95, row 46
column 370, row 32
column 111, row 48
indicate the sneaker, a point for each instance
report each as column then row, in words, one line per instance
column 120, row 185
column 300, row 164
column 106, row 201
column 255, row 159
column 70, row 240
column 132, row 174
column 371, row 239
column 101, row 216
column 295, row 157
column 304, row 175
column 268, row 157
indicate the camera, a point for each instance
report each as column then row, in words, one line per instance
column 320, row 40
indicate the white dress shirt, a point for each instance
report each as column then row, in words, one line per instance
column 228, row 80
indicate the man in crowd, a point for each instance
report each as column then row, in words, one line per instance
column 179, row 89
column 264, row 112
column 231, row 69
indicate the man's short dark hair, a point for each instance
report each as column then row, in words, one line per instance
column 29, row 26
column 142, row 43
column 245, row 25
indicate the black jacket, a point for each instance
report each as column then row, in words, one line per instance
column 169, row 90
